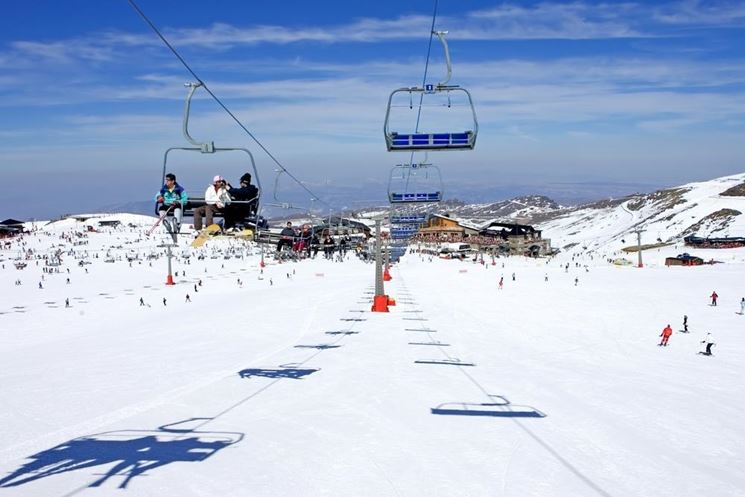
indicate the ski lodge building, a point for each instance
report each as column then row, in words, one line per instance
column 10, row 227
column 500, row 237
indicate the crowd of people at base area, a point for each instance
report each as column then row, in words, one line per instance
column 307, row 242
column 481, row 240
column 456, row 238
column 220, row 198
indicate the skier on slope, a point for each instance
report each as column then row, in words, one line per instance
column 666, row 332
column 708, row 343
column 742, row 305
column 714, row 298
column 685, row 323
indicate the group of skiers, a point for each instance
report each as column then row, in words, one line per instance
column 708, row 341
column 308, row 242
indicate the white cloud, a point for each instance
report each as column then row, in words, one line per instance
column 320, row 116
column 698, row 13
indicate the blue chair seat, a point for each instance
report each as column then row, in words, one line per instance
column 431, row 141
column 403, row 231
column 418, row 218
column 415, row 197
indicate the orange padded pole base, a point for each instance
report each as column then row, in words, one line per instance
column 380, row 303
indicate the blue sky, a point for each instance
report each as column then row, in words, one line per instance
column 575, row 99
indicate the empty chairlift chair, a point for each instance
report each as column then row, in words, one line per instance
column 408, row 218
column 415, row 183
column 397, row 141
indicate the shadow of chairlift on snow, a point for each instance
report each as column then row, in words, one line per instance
column 288, row 372
column 435, row 343
column 127, row 453
column 320, row 346
column 447, row 362
column 501, row 408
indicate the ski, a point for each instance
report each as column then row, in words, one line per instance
column 160, row 220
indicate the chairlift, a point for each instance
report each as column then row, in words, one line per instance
column 403, row 232
column 441, row 140
column 413, row 218
column 210, row 148
column 415, row 183
column 284, row 204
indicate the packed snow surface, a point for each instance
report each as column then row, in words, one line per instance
column 285, row 384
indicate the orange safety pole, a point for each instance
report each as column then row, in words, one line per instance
column 380, row 301
column 169, row 278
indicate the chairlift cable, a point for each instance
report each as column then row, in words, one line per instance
column 426, row 67
column 220, row 103
column 424, row 79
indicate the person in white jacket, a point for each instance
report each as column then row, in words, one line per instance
column 708, row 343
column 216, row 197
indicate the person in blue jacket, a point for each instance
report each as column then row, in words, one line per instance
column 172, row 197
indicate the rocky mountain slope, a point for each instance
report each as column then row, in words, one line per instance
column 709, row 208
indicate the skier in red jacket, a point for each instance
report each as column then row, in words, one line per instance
column 714, row 298
column 666, row 332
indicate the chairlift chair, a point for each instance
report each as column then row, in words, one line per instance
column 414, row 218
column 403, row 233
column 414, row 183
column 441, row 140
column 210, row 148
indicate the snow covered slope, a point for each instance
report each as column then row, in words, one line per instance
column 709, row 208
column 281, row 382
column 518, row 209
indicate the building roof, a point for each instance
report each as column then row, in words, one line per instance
column 11, row 222
column 497, row 224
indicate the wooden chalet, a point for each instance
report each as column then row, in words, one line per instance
column 506, row 238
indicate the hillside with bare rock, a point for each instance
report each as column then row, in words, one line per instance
column 708, row 208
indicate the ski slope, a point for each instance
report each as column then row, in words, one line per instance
column 665, row 216
column 288, row 385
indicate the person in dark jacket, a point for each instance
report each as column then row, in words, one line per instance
column 286, row 237
column 314, row 244
column 245, row 199
column 328, row 247
column 344, row 243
